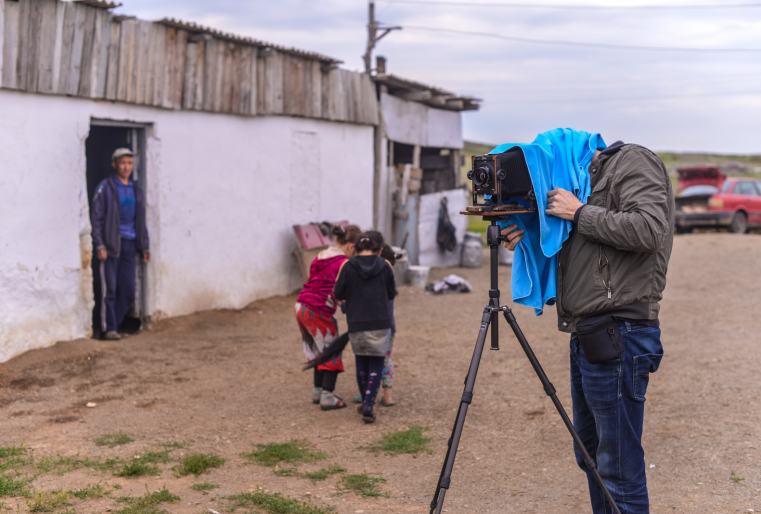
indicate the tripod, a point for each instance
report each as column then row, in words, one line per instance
column 490, row 317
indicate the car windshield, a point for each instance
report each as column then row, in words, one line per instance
column 699, row 191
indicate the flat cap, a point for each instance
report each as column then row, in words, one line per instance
column 121, row 152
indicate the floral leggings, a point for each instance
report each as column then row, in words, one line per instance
column 388, row 367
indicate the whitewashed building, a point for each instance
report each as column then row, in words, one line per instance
column 236, row 141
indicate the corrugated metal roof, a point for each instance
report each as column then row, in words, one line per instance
column 200, row 29
column 102, row 4
column 429, row 95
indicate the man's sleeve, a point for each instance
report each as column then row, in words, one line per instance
column 641, row 223
column 96, row 218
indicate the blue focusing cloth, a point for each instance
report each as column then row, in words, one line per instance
column 558, row 158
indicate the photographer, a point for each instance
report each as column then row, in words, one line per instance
column 611, row 273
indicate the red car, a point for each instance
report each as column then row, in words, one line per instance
column 737, row 205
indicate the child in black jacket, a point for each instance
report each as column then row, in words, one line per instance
column 366, row 282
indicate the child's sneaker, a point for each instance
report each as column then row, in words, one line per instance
column 329, row 401
column 316, row 393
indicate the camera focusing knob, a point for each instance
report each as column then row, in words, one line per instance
column 501, row 174
column 470, row 175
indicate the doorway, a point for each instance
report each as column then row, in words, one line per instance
column 106, row 136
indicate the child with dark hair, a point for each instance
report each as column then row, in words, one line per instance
column 315, row 308
column 366, row 282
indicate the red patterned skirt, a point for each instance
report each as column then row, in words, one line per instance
column 317, row 332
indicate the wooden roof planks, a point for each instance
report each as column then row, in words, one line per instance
column 82, row 49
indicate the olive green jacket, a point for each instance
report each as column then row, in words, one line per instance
column 616, row 257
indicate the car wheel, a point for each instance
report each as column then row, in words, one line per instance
column 739, row 223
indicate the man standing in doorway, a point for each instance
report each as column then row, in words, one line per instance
column 118, row 234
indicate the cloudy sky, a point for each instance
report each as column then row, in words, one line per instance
column 708, row 101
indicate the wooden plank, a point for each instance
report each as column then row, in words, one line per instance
column 31, row 37
column 273, row 93
column 178, row 69
column 88, row 40
column 294, row 101
column 326, row 94
column 314, row 90
column 199, row 78
column 254, row 82
column 150, row 58
column 60, row 10
column 140, row 73
column 218, row 77
column 47, row 46
column 112, row 66
column 24, row 44
column 228, row 78
column 209, row 73
column 2, row 35
column 247, row 80
column 77, row 45
column 124, row 76
column 191, row 71
column 236, row 77
column 11, row 14
column 101, row 45
column 170, row 41
column 261, row 83
column 159, row 64
column 67, row 40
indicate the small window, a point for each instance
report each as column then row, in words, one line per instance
column 727, row 186
column 746, row 188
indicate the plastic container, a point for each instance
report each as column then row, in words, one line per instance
column 472, row 250
column 400, row 266
column 418, row 275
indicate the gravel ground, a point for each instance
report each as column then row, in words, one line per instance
column 225, row 381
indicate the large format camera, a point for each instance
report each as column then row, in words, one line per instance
column 504, row 182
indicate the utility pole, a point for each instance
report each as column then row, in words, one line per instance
column 373, row 27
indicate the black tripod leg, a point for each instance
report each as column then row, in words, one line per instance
column 550, row 390
column 467, row 396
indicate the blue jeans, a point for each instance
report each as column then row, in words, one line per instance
column 120, row 284
column 608, row 410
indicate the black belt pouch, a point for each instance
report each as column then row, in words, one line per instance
column 600, row 338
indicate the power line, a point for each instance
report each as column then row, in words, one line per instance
column 626, row 99
column 570, row 7
column 584, row 44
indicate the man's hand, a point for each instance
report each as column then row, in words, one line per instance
column 102, row 254
column 146, row 256
column 513, row 237
column 562, row 203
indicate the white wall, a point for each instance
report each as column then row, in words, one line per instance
column 222, row 192
column 429, row 252
column 416, row 124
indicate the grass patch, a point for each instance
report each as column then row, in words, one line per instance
column 411, row 440
column 161, row 457
column 324, row 473
column 138, row 469
column 113, row 440
column 106, row 465
column 274, row 504
column 734, row 478
column 174, row 445
column 286, row 472
column 57, row 466
column 11, row 451
column 363, row 485
column 199, row 463
column 147, row 503
column 47, row 501
column 292, row 452
column 90, row 491
column 204, row 486
column 11, row 487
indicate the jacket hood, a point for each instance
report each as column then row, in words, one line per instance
column 368, row 266
column 322, row 262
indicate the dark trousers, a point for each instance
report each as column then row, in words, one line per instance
column 325, row 379
column 119, row 278
column 608, row 411
column 369, row 378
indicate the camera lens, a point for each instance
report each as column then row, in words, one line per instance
column 482, row 176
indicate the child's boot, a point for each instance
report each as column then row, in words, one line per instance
column 329, row 401
column 316, row 394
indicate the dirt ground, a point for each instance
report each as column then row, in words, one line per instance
column 225, row 381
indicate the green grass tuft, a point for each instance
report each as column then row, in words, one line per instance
column 137, row 469
column 147, row 503
column 363, row 485
column 275, row 504
column 57, row 466
column 90, row 491
column 324, row 473
column 11, row 451
column 292, row 452
column 286, row 472
column 204, row 486
column 174, row 445
column 11, row 487
column 113, row 440
column 403, row 441
column 47, row 501
column 198, row 463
